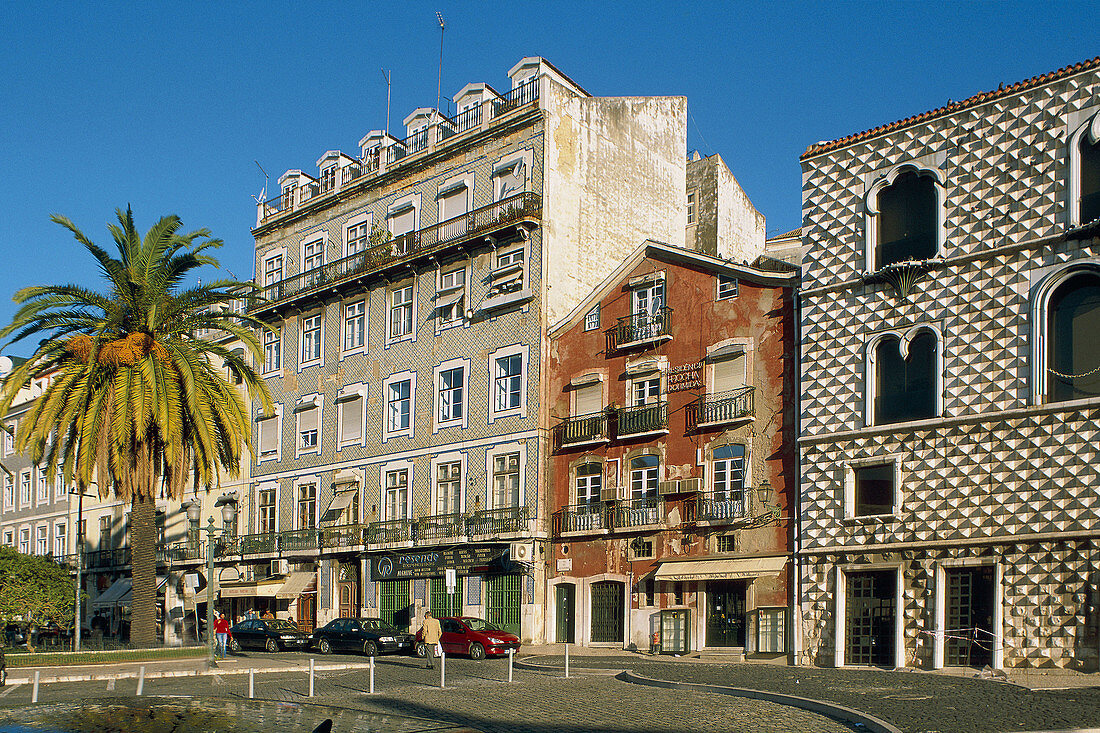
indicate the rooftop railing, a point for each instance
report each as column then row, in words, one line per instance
column 416, row 243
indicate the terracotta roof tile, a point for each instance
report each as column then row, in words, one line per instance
column 1001, row 91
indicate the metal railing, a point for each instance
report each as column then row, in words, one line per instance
column 581, row 429
column 344, row 537
column 299, row 540
column 394, row 530
column 422, row 241
column 493, row 522
column 722, row 407
column 441, row 527
column 642, row 327
column 641, row 512
column 181, row 552
column 642, row 419
column 117, row 557
column 582, row 518
column 719, row 505
column 525, row 93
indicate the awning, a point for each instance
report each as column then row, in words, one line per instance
column 110, row 596
column 721, row 569
column 295, row 585
column 342, row 501
column 128, row 597
column 250, row 590
column 449, row 299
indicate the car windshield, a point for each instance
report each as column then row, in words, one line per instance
column 477, row 624
column 282, row 626
column 376, row 624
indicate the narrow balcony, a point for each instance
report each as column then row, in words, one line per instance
column 402, row 249
column 119, row 557
column 344, row 538
column 391, row 532
column 498, row 522
column 638, row 329
column 642, row 420
column 581, row 518
column 181, row 552
column 441, row 527
column 581, row 430
column 722, row 408
column 719, row 507
column 644, row 512
column 299, row 541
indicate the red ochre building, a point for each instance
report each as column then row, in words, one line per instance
column 672, row 480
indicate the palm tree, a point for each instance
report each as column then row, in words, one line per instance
column 137, row 405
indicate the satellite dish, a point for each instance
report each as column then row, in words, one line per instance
column 655, row 306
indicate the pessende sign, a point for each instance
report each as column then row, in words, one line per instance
column 433, row 563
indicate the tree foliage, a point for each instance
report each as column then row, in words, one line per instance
column 34, row 589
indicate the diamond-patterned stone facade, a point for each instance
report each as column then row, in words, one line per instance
column 997, row 477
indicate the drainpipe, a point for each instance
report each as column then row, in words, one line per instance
column 796, row 600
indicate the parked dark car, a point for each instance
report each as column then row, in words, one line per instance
column 272, row 635
column 371, row 636
column 472, row 636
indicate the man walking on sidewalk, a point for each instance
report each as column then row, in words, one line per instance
column 431, row 633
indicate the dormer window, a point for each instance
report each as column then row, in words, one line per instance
column 328, row 179
column 288, row 195
column 904, row 218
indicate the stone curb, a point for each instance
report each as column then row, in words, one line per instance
column 186, row 673
column 526, row 664
column 836, row 712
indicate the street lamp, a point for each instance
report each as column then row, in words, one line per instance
column 763, row 491
column 209, row 589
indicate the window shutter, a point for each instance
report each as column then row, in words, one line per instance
column 729, row 374
column 454, row 203
column 402, row 222
column 268, row 435
column 351, row 421
column 589, row 399
column 307, row 419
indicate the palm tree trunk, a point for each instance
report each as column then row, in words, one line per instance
column 143, row 554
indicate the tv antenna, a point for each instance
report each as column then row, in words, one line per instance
column 439, row 79
column 263, row 192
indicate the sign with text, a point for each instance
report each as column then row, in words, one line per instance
column 432, row 563
column 684, row 377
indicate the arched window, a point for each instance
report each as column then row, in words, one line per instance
column 1073, row 338
column 905, row 378
column 904, row 217
column 644, row 473
column 1089, row 201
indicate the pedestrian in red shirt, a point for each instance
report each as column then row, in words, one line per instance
column 222, row 634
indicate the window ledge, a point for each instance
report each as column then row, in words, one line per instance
column 646, row 434
column 500, row 272
column 871, row 519
column 730, row 421
column 506, row 299
column 648, row 340
column 583, row 443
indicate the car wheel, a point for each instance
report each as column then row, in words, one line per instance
column 234, row 646
column 3, row 677
column 477, row 651
column 325, row 647
column 370, row 648
column 421, row 649
column 272, row 645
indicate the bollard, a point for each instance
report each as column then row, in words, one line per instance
column 566, row 661
column 511, row 653
column 442, row 670
column 372, row 675
column 34, row 693
column 141, row 680
column 251, row 683
column 311, row 677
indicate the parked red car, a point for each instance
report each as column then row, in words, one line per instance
column 472, row 636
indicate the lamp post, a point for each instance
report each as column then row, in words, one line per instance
column 210, row 590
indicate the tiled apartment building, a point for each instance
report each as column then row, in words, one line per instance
column 409, row 288
column 950, row 388
column 673, row 475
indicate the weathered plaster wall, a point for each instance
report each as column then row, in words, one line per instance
column 726, row 223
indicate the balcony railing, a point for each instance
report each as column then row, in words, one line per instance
column 525, row 93
column 640, row 328
column 637, row 512
column 118, row 557
column 414, row 143
column 582, row 518
column 642, row 419
column 441, row 527
column 181, row 552
column 344, row 537
column 391, row 531
column 420, row 242
column 716, row 506
column 299, row 540
column 581, row 429
column 722, row 407
column 495, row 522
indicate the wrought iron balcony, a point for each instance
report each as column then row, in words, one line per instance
column 643, row 512
column 299, row 540
column 421, row 242
column 180, row 552
column 496, row 522
column 722, row 407
column 642, row 419
column 525, row 93
column 581, row 429
column 717, row 506
column 582, row 518
column 390, row 532
column 641, row 328
column 441, row 527
column 344, row 537
column 119, row 557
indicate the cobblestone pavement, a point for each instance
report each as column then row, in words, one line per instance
column 916, row 702
column 407, row 698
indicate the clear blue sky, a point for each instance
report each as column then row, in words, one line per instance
column 165, row 105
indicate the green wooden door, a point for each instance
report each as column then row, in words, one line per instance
column 443, row 603
column 393, row 603
column 505, row 600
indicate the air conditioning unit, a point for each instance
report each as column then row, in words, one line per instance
column 668, row 487
column 691, row 485
column 521, row 552
column 279, row 567
column 607, row 493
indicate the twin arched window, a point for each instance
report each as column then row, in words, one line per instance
column 1084, row 171
column 904, row 375
column 1073, row 338
column 903, row 217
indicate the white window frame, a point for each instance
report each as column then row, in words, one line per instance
column 25, row 540
column 452, row 457
column 690, row 205
column 400, row 206
column 511, row 350
column 646, row 378
column 659, row 470
column 411, row 335
column 849, row 483
column 731, row 291
column 508, row 163
column 362, row 220
column 274, row 488
column 444, row 290
column 586, row 380
column 42, row 539
column 321, row 240
column 9, row 538
column 462, row 421
column 490, row 456
column 870, row 209
column 9, row 437
column 574, row 493
column 449, row 187
column 268, row 257
column 9, row 492
column 273, row 340
column 42, row 495
column 318, row 360
column 387, row 432
column 592, row 318
column 304, row 404
column 277, row 417
column 350, row 393
column 1091, row 128
column 1050, row 281
column 62, row 536
column 26, row 488
column 345, row 306
column 386, row 469
column 904, row 338
column 306, row 481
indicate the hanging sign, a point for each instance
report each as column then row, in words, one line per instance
column 433, row 563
